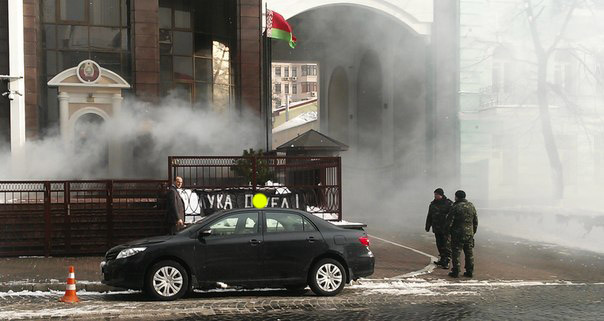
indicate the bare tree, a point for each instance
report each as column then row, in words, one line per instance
column 543, row 54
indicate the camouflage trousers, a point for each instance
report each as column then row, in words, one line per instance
column 443, row 244
column 467, row 245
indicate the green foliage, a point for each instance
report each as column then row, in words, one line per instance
column 244, row 167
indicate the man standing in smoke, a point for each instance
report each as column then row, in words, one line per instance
column 176, row 207
column 462, row 222
column 437, row 219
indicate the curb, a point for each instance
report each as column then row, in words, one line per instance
column 33, row 287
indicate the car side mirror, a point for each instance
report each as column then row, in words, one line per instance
column 204, row 233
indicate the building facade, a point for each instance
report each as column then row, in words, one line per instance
column 503, row 150
column 298, row 81
column 208, row 52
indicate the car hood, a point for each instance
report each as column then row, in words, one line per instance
column 149, row 240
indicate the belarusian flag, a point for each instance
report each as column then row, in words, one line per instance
column 278, row 28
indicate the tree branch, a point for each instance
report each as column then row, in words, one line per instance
column 563, row 29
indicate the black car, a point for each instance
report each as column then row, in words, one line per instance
column 247, row 248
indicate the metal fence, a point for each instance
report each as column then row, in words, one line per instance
column 78, row 217
column 317, row 179
column 86, row 217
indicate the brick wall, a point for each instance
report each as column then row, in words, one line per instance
column 145, row 37
column 248, row 56
column 32, row 49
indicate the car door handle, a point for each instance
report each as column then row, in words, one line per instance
column 311, row 239
column 255, row 242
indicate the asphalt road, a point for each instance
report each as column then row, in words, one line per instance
column 515, row 280
column 382, row 300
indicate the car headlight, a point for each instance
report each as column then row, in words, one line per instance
column 130, row 252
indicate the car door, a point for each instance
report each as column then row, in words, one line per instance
column 232, row 252
column 291, row 242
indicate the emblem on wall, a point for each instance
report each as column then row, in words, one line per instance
column 89, row 71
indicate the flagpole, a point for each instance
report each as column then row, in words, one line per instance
column 266, row 69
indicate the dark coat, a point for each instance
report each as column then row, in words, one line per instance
column 175, row 206
column 437, row 215
column 463, row 220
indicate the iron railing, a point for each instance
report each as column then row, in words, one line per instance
column 317, row 179
column 78, row 217
column 85, row 217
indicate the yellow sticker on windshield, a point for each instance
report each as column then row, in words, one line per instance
column 260, row 200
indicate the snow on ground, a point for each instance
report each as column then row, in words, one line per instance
column 418, row 286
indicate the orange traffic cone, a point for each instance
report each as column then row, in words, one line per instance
column 70, row 293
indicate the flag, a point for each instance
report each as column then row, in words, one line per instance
column 278, row 28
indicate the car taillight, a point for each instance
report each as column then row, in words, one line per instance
column 364, row 240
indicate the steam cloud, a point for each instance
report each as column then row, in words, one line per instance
column 149, row 132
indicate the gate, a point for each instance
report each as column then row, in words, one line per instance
column 78, row 217
column 317, row 179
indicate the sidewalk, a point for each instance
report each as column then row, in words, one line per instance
column 43, row 274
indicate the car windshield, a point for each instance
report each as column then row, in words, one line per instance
column 195, row 225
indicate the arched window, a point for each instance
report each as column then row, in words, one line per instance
column 501, row 77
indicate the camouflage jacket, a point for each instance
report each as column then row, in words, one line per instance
column 462, row 220
column 437, row 215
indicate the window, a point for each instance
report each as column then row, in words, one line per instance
column 287, row 222
column 278, row 71
column 277, row 88
column 501, row 77
column 294, row 71
column 195, row 40
column 309, row 70
column 563, row 73
column 286, row 70
column 286, row 86
column 309, row 86
column 237, row 224
column 76, row 30
column 294, row 89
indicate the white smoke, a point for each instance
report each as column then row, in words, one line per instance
column 149, row 133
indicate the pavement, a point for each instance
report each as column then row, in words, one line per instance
column 514, row 280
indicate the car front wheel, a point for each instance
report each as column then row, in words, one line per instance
column 327, row 277
column 167, row 280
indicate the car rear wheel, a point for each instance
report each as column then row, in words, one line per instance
column 327, row 277
column 167, row 280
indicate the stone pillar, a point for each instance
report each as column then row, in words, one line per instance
column 31, row 45
column 249, row 30
column 64, row 117
column 145, row 44
column 116, row 157
column 16, row 69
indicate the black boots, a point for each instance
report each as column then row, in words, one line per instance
column 467, row 274
column 454, row 273
column 443, row 263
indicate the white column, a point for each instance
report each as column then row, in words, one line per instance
column 116, row 156
column 17, row 69
column 64, row 117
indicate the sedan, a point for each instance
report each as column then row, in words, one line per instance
column 247, row 248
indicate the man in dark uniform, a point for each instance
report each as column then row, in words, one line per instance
column 437, row 219
column 462, row 223
column 176, row 207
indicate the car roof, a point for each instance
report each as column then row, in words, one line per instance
column 314, row 218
